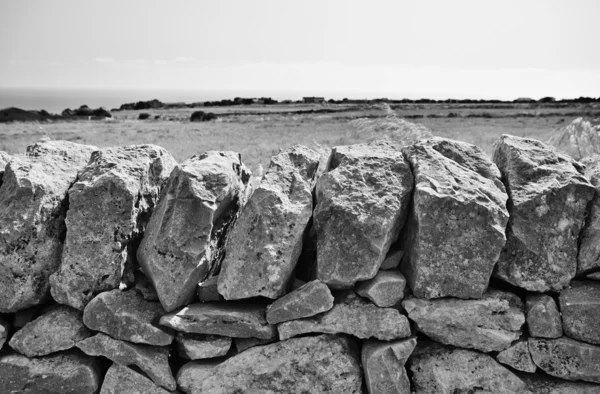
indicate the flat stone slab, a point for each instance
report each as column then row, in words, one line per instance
column 120, row 379
column 580, row 308
column 351, row 315
column 308, row 300
column 517, row 356
column 594, row 276
column 242, row 344
column 543, row 317
column 200, row 346
column 384, row 290
column 383, row 365
column 208, row 290
column 566, row 358
column 392, row 260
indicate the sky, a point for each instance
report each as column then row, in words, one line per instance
column 348, row 48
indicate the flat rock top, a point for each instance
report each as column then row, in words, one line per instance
column 581, row 293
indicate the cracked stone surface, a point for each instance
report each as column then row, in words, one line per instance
column 308, row 300
column 580, row 308
column 384, row 290
column 566, row 358
column 383, row 365
column 518, row 357
column 120, row 379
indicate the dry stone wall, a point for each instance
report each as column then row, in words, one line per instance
column 428, row 268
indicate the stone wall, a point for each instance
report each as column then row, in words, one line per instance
column 428, row 268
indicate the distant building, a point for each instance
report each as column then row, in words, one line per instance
column 313, row 99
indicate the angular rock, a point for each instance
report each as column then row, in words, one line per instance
column 109, row 207
column 594, row 276
column 123, row 380
column 4, row 159
column 227, row 319
column 208, row 291
column 185, row 237
column 68, row 373
column 385, row 289
column 143, row 286
column 548, row 199
column 362, row 203
column 153, row 360
column 198, row 346
column 578, row 139
column 392, row 260
column 351, row 315
column 266, row 241
column 456, row 227
column 383, row 365
column 580, row 308
column 321, row 364
column 518, row 357
column 59, row 329
column 543, row 317
column 4, row 329
column 588, row 258
column 489, row 324
column 543, row 384
column 308, row 300
column 33, row 205
column 566, row 358
column 128, row 316
column 242, row 344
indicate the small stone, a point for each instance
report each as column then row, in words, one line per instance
column 143, row 286
column 543, row 317
column 566, row 358
column 518, row 357
column 594, row 276
column 207, row 290
column 385, row 289
column 120, row 379
column 199, row 346
column 4, row 329
column 383, row 365
column 242, row 344
column 580, row 308
column 392, row 260
column 4, row 159
column 191, row 376
column 308, row 300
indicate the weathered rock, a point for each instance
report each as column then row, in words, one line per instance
column 33, row 205
column 566, row 358
column 385, row 289
column 199, row 346
column 128, row 316
column 392, row 260
column 578, row 139
column 308, row 300
column 580, row 308
column 352, row 315
column 143, row 286
column 109, row 207
column 438, row 369
column 518, row 357
column 548, row 198
column 4, row 159
column 543, row 384
column 489, row 324
column 227, row 319
column 70, row 372
column 266, row 241
column 321, row 364
column 543, row 317
column 153, row 360
column 185, row 237
column 4, row 329
column 59, row 329
column 24, row 316
column 242, row 344
column 123, row 380
column 362, row 203
column 594, row 276
column 208, row 291
column 383, row 365
column 455, row 230
column 588, row 258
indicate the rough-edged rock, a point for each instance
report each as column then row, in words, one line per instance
column 385, row 289
column 185, row 237
column 566, row 358
column 24, row 316
column 392, row 260
column 308, row 300
column 362, row 204
column 543, row 317
column 518, row 357
column 594, row 276
column 4, row 159
column 321, row 364
column 143, row 286
column 128, row 316
column 109, row 207
column 242, row 344
column 455, row 229
column 548, row 198
column 580, row 308
column 489, row 324
column 33, row 205
column 123, row 380
column 68, row 373
column 4, row 329
column 383, row 365
column 266, row 241
column 351, row 315
column 578, row 139
column 543, row 384
column 588, row 258
column 59, row 329
column 199, row 346
column 227, row 319
column 208, row 290
column 153, row 360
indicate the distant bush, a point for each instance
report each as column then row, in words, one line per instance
column 201, row 116
column 143, row 116
column 156, row 116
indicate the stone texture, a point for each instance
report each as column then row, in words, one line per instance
column 64, row 373
column 109, row 207
column 4, row 159
column 518, row 357
column 455, row 230
column 185, row 237
column 4, row 329
column 227, row 319
column 352, row 315
column 383, row 365
column 321, row 364
column 548, row 198
column 392, row 260
column 59, row 329
column 543, row 384
column 489, row 324
column 128, row 316
column 362, row 203
column 308, row 300
column 24, row 316
column 153, row 360
column 208, row 290
column 543, row 317
column 385, row 289
column 266, row 241
column 144, row 287
column 588, row 258
column 594, row 276
column 199, row 346
column 566, row 358
column 580, row 308
column 578, row 139
column 123, row 380
column 242, row 344
column 33, row 205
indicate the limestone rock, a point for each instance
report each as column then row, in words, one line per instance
column 59, row 329
column 543, row 384
column 580, row 308
column 123, row 380
column 351, row 315
column 392, row 260
column 456, row 227
column 385, row 289
column 266, row 241
column 362, row 203
column 321, row 364
column 518, row 357
column 543, row 317
column 308, row 300
column 227, row 319
column 383, row 365
column 578, row 139
column 4, row 329
column 143, row 286
column 589, row 240
column 33, row 205
column 489, row 324
column 198, row 346
column 548, row 198
column 594, row 276
column 242, row 344
column 185, row 237
column 4, row 159
column 208, row 290
column 109, row 207
column 566, row 358
column 128, row 316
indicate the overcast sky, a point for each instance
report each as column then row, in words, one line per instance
column 396, row 48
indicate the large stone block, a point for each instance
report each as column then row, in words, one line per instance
column 566, row 358
column 580, row 308
column 308, row 300
column 383, row 365
column 543, row 317
column 123, row 380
